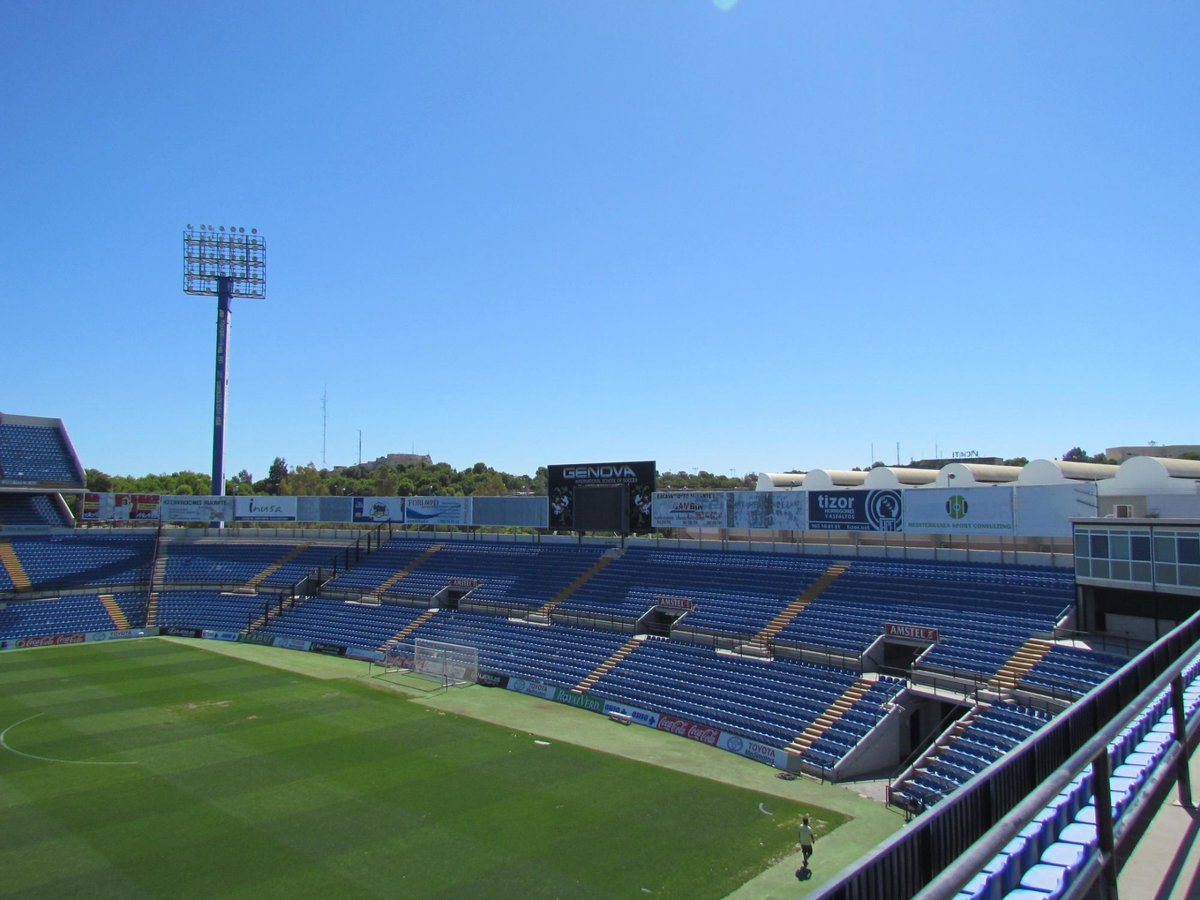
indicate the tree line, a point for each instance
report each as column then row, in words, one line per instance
column 383, row 480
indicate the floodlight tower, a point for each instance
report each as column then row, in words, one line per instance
column 223, row 263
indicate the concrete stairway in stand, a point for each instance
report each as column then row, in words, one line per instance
column 376, row 594
column 115, row 612
column 826, row 720
column 251, row 586
column 542, row 614
column 408, row 629
column 759, row 643
column 12, row 565
column 607, row 666
column 1019, row 664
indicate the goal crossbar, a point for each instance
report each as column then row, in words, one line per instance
column 451, row 664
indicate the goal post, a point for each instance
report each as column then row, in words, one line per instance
column 448, row 664
column 453, row 664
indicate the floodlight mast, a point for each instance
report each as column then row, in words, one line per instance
column 223, row 264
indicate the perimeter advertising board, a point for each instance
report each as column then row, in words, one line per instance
column 602, row 496
column 378, row 509
column 769, row 510
column 533, row 688
column 855, row 511
column 120, row 507
column 752, row 749
column 264, row 509
column 195, row 509
column 632, row 713
column 690, row 509
column 977, row 510
column 437, row 511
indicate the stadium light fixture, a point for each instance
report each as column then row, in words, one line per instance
column 223, row 264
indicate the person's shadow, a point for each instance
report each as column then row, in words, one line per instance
column 804, row 873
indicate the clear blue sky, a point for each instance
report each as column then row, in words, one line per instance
column 761, row 238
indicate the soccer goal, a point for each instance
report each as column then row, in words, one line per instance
column 444, row 664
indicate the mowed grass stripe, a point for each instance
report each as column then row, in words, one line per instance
column 258, row 781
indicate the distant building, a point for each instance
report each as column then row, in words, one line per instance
column 393, row 460
column 963, row 458
column 1162, row 451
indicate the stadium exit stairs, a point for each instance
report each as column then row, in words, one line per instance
column 115, row 612
column 1019, row 664
column 543, row 613
column 251, row 586
column 12, row 565
column 931, row 753
column 157, row 578
column 408, row 629
column 607, row 666
column 376, row 594
column 759, row 643
column 826, row 720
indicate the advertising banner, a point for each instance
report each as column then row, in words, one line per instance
column 690, row 509
column 492, row 679
column 633, row 713
column 752, row 749
column 976, row 510
column 264, row 509
column 789, row 510
column 769, row 510
column 533, row 688
column 706, row 734
column 669, row 601
column 327, row 649
column 437, row 510
column 176, row 631
column 120, row 635
column 119, row 507
column 291, row 643
column 921, row 633
column 365, row 654
column 195, row 509
column 751, row 509
column 1048, row 509
column 583, row 701
column 210, row 634
column 855, row 511
column 52, row 640
column 378, row 509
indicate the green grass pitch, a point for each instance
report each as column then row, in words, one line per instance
column 150, row 769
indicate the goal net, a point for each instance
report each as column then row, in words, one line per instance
column 448, row 664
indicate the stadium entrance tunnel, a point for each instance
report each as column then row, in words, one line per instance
column 449, row 598
column 900, row 657
column 895, row 656
column 658, row 621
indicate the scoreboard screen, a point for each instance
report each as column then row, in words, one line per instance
column 602, row 496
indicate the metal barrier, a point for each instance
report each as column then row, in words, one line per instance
column 944, row 848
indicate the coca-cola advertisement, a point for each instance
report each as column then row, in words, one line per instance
column 706, row 734
column 51, row 640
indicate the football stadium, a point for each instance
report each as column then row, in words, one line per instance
column 977, row 680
